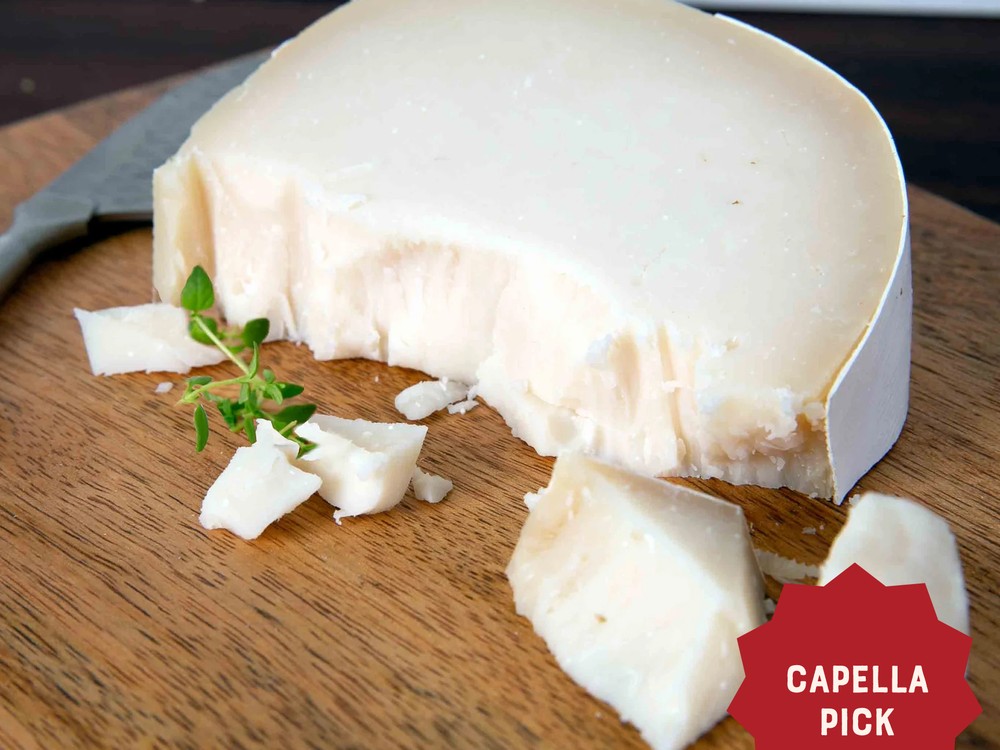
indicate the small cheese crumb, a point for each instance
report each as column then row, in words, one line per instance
column 144, row 338
column 163, row 388
column 430, row 488
column 423, row 399
column 769, row 606
column 461, row 407
column 784, row 569
column 809, row 530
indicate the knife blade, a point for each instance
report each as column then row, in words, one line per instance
column 113, row 182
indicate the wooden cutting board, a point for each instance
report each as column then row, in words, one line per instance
column 124, row 624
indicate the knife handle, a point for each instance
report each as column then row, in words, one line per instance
column 40, row 222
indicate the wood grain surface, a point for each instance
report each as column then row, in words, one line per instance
column 124, row 624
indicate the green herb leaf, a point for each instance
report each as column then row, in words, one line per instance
column 198, row 293
column 255, row 384
column 252, row 402
column 230, row 412
column 289, row 390
column 198, row 332
column 254, row 361
column 200, row 428
column 250, row 429
column 298, row 413
column 255, row 331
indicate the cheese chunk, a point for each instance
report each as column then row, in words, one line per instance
column 429, row 487
column 640, row 589
column 258, row 487
column 648, row 233
column 899, row 542
column 423, row 399
column 144, row 338
column 784, row 569
column 365, row 466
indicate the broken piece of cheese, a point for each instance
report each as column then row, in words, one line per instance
column 902, row 542
column 647, row 233
column 149, row 338
column 640, row 588
column 365, row 466
column 258, row 486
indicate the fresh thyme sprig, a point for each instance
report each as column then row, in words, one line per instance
column 254, row 387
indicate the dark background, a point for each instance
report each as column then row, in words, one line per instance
column 935, row 80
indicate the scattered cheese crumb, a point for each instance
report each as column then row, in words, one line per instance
column 461, row 407
column 769, row 606
column 430, row 488
column 809, row 530
column 164, row 388
column 852, row 500
column 784, row 569
column 423, row 399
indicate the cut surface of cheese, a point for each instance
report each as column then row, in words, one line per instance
column 784, row 569
column 647, row 233
column 423, row 399
column 258, row 487
column 144, row 338
column 640, row 589
column 429, row 487
column 901, row 542
column 365, row 466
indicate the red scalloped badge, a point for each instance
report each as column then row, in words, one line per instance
column 855, row 664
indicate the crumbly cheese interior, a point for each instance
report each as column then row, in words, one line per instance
column 640, row 589
column 646, row 232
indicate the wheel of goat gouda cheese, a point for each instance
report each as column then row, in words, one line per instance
column 648, row 233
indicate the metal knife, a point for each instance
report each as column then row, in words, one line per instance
column 113, row 183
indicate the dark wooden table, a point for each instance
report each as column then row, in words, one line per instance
column 936, row 80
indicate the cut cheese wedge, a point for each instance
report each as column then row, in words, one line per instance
column 901, row 542
column 647, row 233
column 365, row 466
column 640, row 588
column 144, row 338
column 258, row 487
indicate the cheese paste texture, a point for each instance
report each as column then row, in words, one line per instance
column 143, row 338
column 640, row 589
column 645, row 232
column 902, row 542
